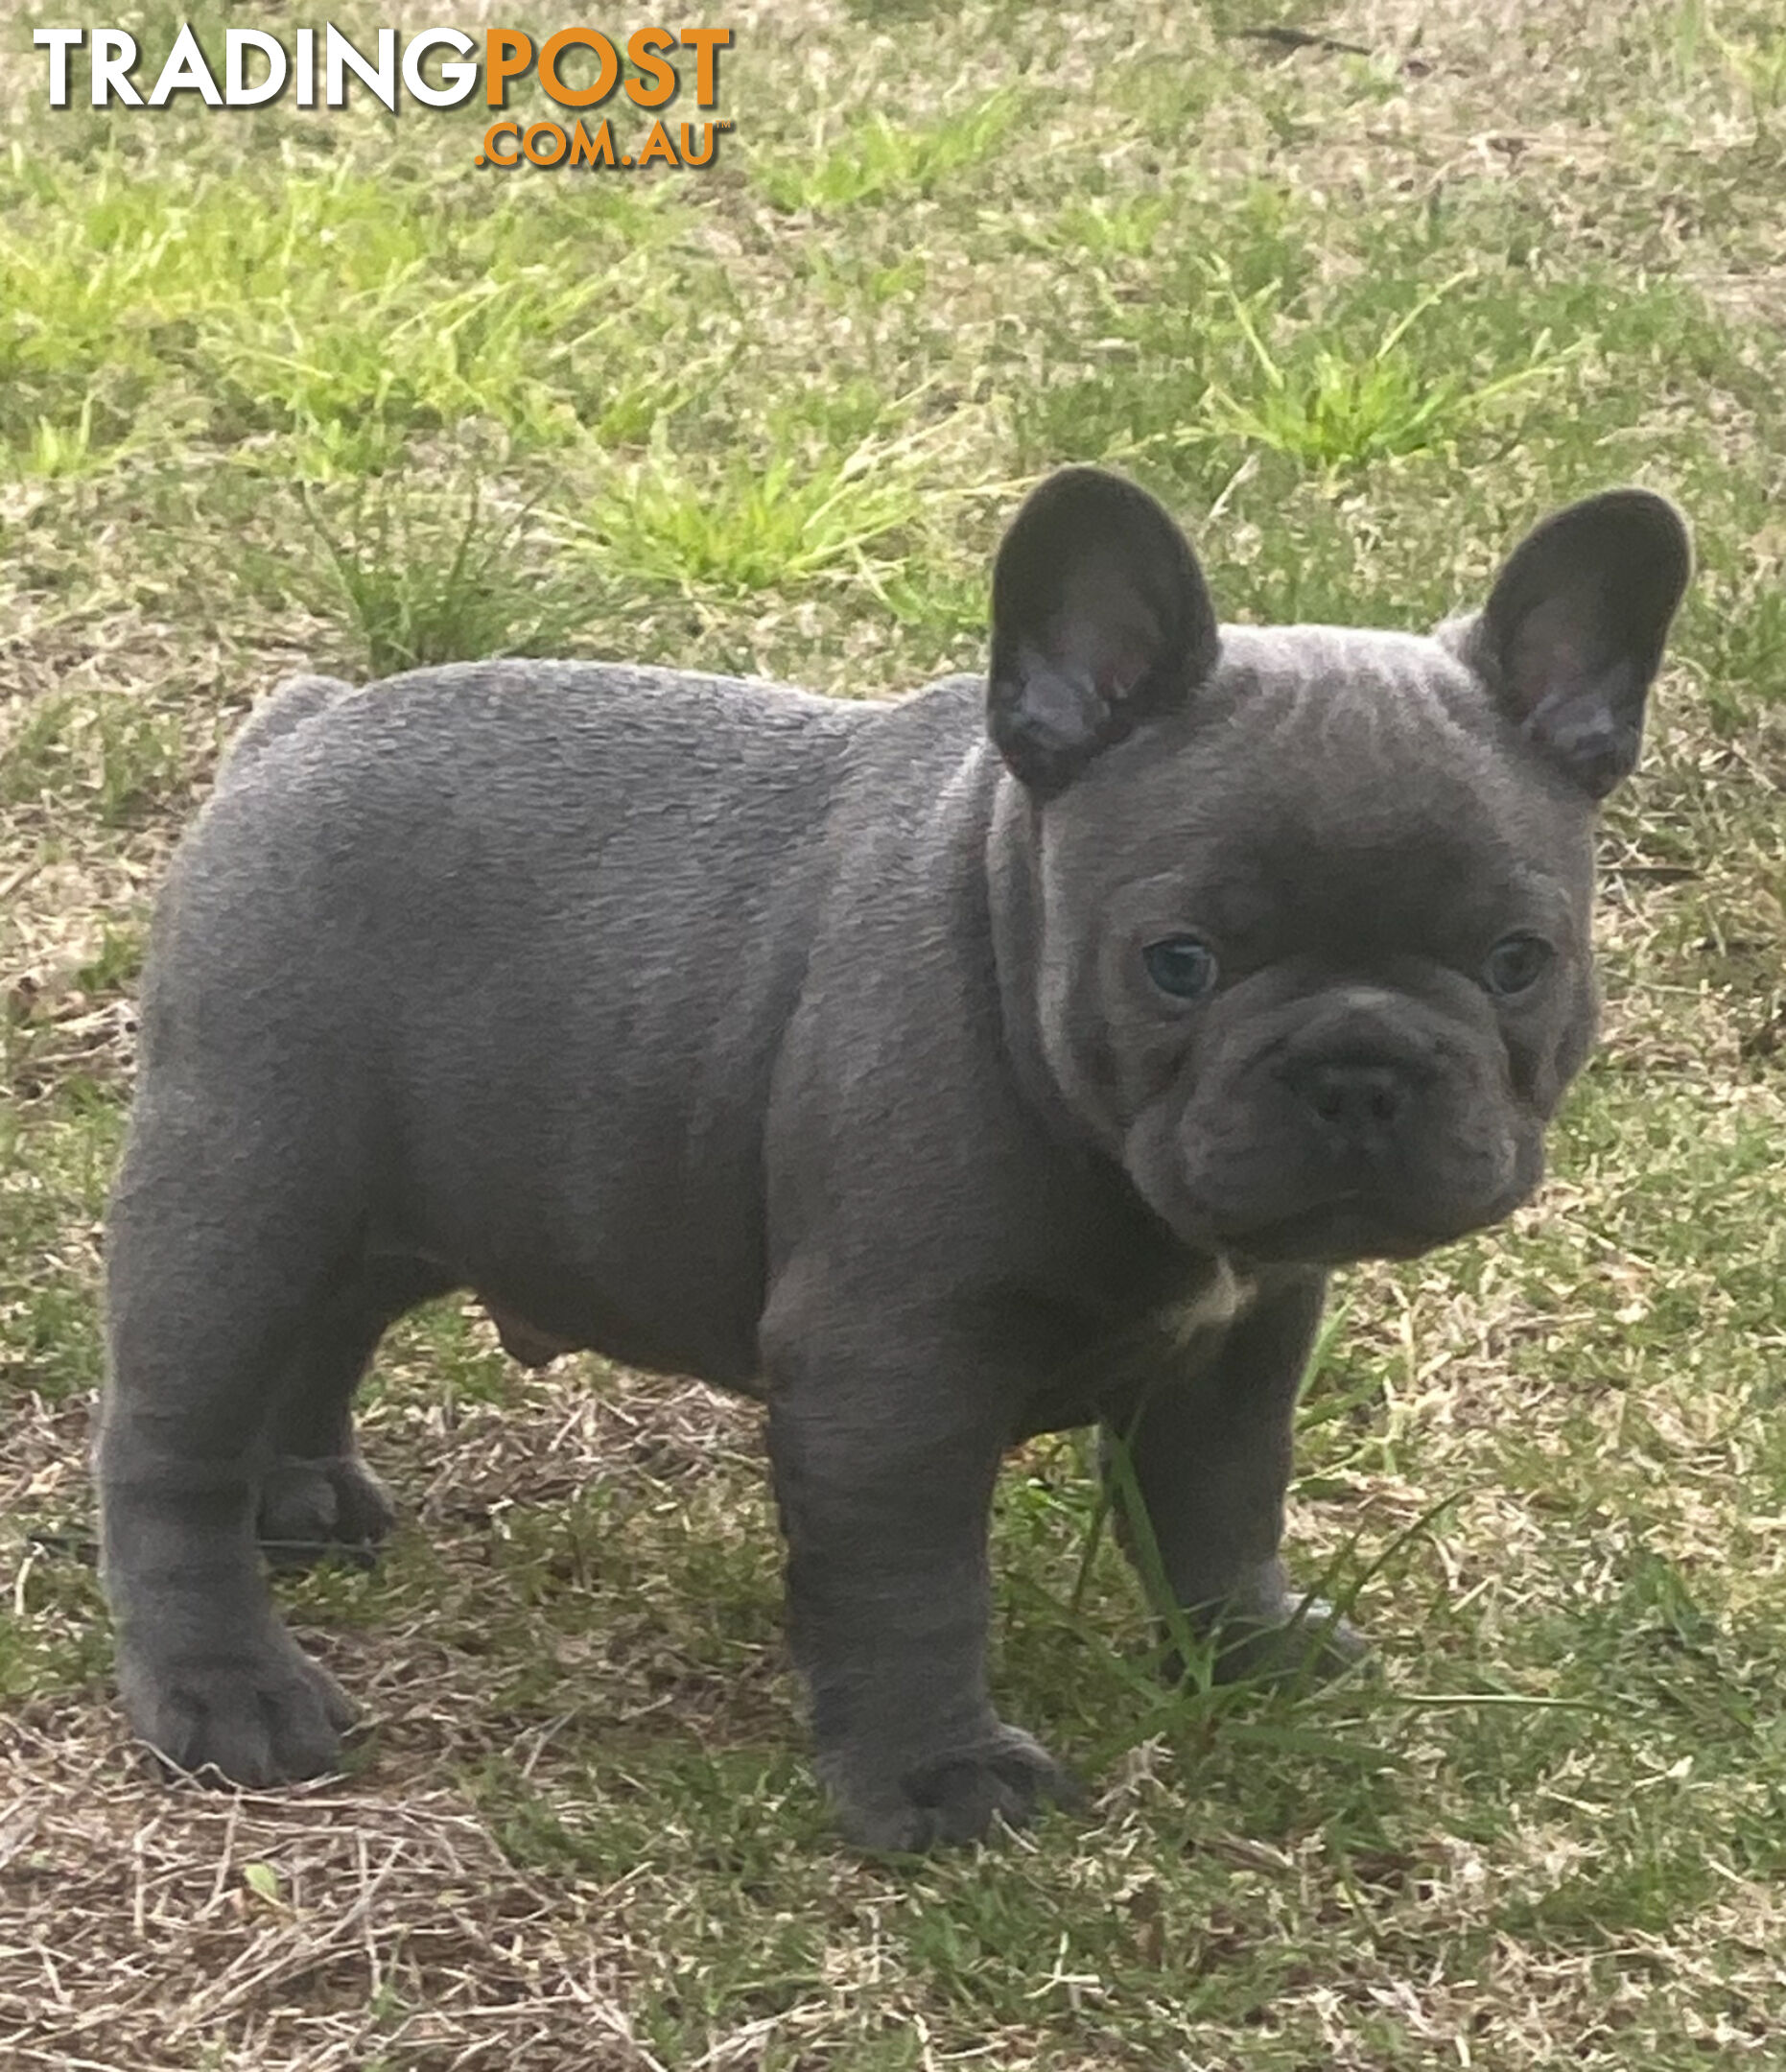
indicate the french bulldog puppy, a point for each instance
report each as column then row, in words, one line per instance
column 1018, row 1055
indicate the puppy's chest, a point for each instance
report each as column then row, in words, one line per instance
column 1219, row 1300
column 1104, row 1374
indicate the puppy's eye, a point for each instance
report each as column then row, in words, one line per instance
column 1181, row 965
column 1516, row 963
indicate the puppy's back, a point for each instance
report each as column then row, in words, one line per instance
column 296, row 700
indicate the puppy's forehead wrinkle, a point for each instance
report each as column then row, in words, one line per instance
column 1381, row 694
column 1378, row 753
column 1374, row 740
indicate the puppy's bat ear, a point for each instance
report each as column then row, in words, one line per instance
column 1571, row 637
column 1100, row 621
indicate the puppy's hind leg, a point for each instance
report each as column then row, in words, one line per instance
column 216, row 1267
column 318, row 1494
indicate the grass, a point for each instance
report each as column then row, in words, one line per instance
column 283, row 390
column 425, row 576
column 880, row 160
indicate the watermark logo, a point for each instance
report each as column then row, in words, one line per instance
column 610, row 86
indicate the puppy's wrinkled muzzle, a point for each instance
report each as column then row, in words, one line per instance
column 1366, row 1128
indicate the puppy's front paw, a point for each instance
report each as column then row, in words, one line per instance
column 1307, row 1642
column 314, row 1507
column 255, row 1715
column 898, row 1805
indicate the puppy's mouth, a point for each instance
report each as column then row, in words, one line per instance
column 1355, row 1222
column 1341, row 1232
column 1274, row 1204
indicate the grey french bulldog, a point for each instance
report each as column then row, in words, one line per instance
column 1014, row 1056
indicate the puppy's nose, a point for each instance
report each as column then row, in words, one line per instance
column 1357, row 1104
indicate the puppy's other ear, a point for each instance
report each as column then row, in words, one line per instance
column 1100, row 621
column 1571, row 637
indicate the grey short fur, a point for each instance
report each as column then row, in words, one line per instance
column 1015, row 1055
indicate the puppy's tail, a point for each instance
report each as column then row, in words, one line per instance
column 296, row 699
